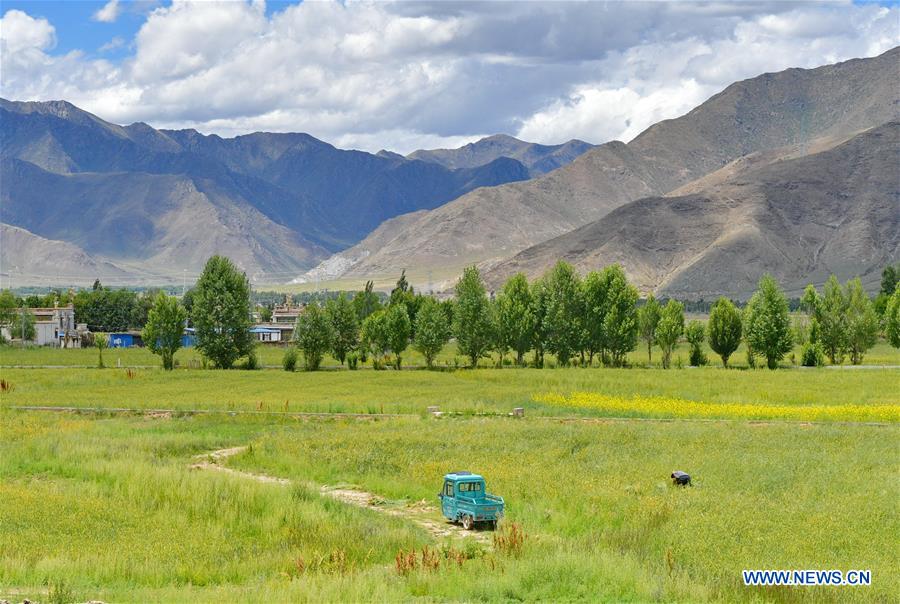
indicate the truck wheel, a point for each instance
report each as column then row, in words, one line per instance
column 467, row 522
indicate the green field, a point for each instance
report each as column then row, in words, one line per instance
column 105, row 505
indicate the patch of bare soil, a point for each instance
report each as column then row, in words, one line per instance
column 420, row 512
column 210, row 461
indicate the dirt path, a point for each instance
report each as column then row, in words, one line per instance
column 421, row 512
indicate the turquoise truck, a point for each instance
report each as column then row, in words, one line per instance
column 465, row 500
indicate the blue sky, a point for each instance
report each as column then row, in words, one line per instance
column 407, row 75
column 76, row 30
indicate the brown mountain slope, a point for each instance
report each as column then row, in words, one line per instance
column 159, row 224
column 770, row 111
column 28, row 258
column 801, row 219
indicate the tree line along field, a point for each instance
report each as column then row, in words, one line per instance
column 107, row 507
column 558, row 319
column 271, row 357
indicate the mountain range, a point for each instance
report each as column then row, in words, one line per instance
column 804, row 109
column 801, row 219
column 793, row 173
column 155, row 203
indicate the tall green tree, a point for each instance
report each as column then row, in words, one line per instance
column 862, row 322
column 344, row 326
column 768, row 323
column 110, row 310
column 432, row 330
column 398, row 331
column 620, row 323
column 595, row 303
column 648, row 318
column 540, row 300
column 890, row 276
column 724, row 329
column 515, row 316
column 832, row 318
column 892, row 319
column 473, row 325
column 499, row 345
column 221, row 313
column 366, row 302
column 375, row 336
column 403, row 287
column 313, row 335
column 669, row 329
column 164, row 329
column 563, row 321
column 403, row 293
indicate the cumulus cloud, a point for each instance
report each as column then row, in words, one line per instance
column 109, row 13
column 408, row 75
column 22, row 34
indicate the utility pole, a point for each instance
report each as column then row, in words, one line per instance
column 183, row 281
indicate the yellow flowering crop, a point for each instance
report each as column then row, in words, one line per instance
column 664, row 407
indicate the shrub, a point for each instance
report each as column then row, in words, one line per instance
column 252, row 362
column 812, row 355
column 289, row 360
column 696, row 335
column 352, row 360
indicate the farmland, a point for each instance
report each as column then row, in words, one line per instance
column 792, row 468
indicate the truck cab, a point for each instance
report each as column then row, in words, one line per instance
column 464, row 499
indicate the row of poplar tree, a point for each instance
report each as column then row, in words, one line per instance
column 579, row 319
column 574, row 319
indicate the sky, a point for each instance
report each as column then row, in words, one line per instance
column 410, row 75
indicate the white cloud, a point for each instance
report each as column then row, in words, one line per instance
column 408, row 75
column 116, row 42
column 21, row 33
column 109, row 13
column 651, row 82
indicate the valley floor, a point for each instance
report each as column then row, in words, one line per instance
column 791, row 469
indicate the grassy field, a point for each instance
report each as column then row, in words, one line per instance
column 881, row 354
column 463, row 391
column 107, row 506
column 109, row 509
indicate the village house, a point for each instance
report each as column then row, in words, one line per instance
column 56, row 327
column 281, row 327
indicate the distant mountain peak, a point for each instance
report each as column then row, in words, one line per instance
column 537, row 158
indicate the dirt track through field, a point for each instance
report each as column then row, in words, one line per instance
column 591, row 419
column 421, row 512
